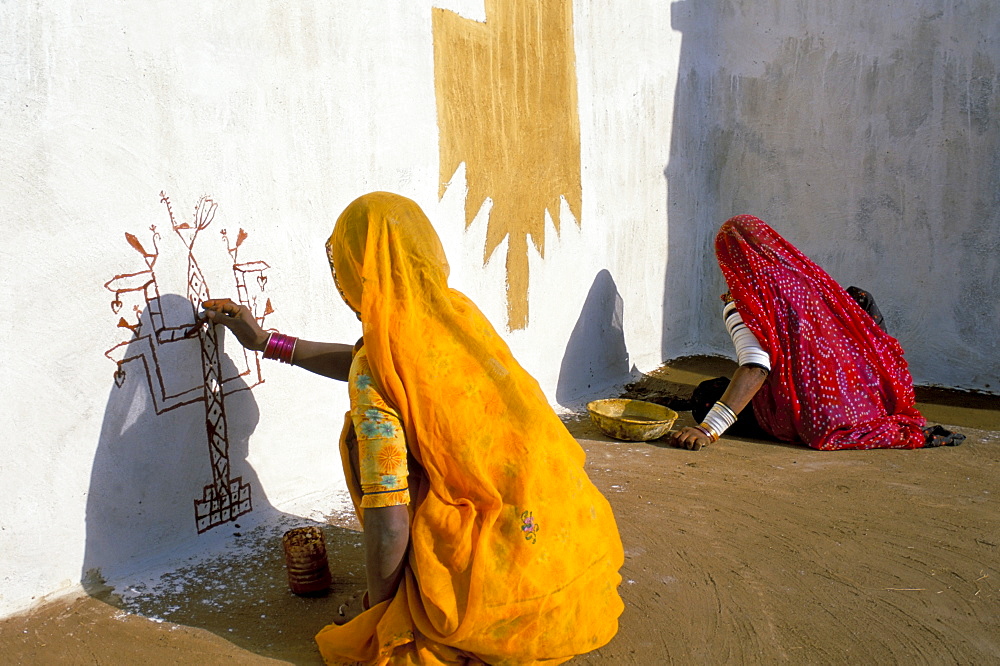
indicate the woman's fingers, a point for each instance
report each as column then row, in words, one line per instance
column 688, row 438
column 238, row 318
column 210, row 311
column 221, row 311
column 215, row 303
column 223, row 306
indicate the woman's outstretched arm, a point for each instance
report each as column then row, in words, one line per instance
column 746, row 381
column 330, row 359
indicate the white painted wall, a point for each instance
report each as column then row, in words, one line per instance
column 689, row 113
column 282, row 114
column 868, row 134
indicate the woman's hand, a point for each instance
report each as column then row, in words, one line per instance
column 690, row 438
column 238, row 319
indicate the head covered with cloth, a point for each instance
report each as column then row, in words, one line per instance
column 514, row 554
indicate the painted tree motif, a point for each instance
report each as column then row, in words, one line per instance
column 227, row 497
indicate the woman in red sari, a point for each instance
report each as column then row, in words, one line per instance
column 816, row 366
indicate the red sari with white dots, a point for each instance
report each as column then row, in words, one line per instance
column 837, row 380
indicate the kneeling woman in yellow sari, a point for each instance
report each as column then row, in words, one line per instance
column 485, row 540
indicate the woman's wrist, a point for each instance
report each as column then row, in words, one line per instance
column 280, row 347
column 708, row 434
column 719, row 418
column 260, row 342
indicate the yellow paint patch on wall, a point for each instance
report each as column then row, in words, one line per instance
column 507, row 107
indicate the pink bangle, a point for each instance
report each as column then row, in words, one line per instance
column 287, row 347
column 269, row 346
column 280, row 347
column 289, row 350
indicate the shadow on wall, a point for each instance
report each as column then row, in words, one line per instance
column 145, row 552
column 154, row 457
column 816, row 118
column 697, row 151
column 595, row 355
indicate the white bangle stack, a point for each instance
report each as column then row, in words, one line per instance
column 719, row 418
column 748, row 349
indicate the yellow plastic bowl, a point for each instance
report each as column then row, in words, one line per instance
column 631, row 420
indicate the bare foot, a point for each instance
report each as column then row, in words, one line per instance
column 352, row 607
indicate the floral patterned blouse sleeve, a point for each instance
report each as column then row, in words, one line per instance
column 381, row 440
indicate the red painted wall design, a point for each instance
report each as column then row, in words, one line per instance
column 137, row 357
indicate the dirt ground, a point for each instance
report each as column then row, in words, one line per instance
column 747, row 552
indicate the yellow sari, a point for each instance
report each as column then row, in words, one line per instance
column 514, row 554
